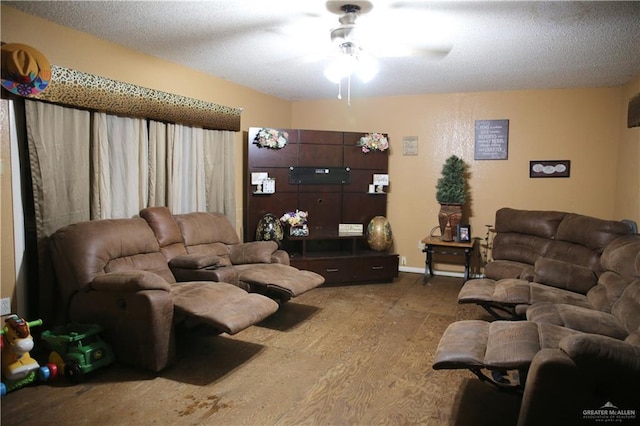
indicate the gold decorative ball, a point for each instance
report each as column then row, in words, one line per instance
column 379, row 236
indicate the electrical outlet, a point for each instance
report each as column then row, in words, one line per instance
column 420, row 245
column 5, row 306
column 403, row 260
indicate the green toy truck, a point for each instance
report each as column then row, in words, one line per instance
column 77, row 349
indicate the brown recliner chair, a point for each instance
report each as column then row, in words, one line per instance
column 111, row 272
column 205, row 246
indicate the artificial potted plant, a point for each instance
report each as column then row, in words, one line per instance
column 451, row 193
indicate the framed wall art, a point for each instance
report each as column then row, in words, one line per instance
column 492, row 140
column 549, row 168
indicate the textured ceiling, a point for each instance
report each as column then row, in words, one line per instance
column 281, row 47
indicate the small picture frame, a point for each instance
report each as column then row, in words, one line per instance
column 549, row 168
column 464, row 233
column 269, row 186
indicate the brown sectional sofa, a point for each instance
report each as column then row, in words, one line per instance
column 111, row 272
column 567, row 359
column 544, row 256
column 121, row 274
column 205, row 246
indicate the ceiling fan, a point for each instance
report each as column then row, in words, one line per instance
column 357, row 50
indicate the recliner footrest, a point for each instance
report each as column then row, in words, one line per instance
column 498, row 345
column 280, row 278
column 222, row 305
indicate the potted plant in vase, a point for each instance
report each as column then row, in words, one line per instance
column 451, row 193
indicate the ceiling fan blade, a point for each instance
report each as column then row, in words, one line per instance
column 401, row 50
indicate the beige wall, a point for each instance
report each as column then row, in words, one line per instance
column 627, row 201
column 581, row 125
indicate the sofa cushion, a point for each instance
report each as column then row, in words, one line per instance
column 577, row 318
column 194, row 261
column 166, row 230
column 540, row 223
column 627, row 307
column 607, row 291
column 546, row 293
column 516, row 247
column 252, row 252
column 564, row 275
column 202, row 228
column 499, row 269
column 590, row 232
column 126, row 281
column 602, row 353
column 623, row 256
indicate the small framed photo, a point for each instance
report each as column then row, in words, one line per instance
column 549, row 168
column 464, row 233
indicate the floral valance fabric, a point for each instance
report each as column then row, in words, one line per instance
column 78, row 89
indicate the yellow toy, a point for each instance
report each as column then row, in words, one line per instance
column 16, row 344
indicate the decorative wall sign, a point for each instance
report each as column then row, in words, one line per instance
column 549, row 168
column 410, row 145
column 492, row 140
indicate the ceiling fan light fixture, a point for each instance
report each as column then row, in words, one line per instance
column 340, row 68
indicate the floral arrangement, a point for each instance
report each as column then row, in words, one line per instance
column 374, row 142
column 271, row 138
column 297, row 218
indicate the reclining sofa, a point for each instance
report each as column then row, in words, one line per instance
column 544, row 256
column 205, row 246
column 572, row 362
column 112, row 273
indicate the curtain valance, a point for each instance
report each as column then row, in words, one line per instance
column 78, row 89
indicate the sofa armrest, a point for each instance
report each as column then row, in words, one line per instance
column 281, row 256
column 194, row 261
column 252, row 252
column 602, row 353
column 129, row 281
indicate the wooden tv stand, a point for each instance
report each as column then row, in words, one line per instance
column 341, row 258
column 326, row 174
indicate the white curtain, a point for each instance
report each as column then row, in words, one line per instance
column 120, row 164
column 219, row 162
column 59, row 159
column 191, row 169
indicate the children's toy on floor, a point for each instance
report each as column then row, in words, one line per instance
column 18, row 367
column 77, row 349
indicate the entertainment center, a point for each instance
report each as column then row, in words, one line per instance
column 326, row 174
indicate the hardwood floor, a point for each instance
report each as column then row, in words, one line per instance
column 348, row 355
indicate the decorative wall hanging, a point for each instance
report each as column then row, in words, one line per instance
column 492, row 140
column 410, row 145
column 271, row 138
column 373, row 142
column 633, row 112
column 78, row 89
column 552, row 168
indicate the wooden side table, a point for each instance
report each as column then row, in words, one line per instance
column 436, row 245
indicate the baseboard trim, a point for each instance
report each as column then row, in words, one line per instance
column 415, row 270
